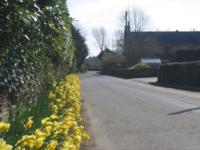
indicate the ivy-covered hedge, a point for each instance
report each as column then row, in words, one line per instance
column 186, row 73
column 35, row 46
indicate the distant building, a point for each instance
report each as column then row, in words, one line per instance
column 153, row 62
column 93, row 63
column 139, row 45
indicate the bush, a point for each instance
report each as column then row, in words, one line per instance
column 108, row 58
column 187, row 55
column 140, row 66
column 35, row 41
column 186, row 73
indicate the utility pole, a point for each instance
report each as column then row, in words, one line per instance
column 126, row 32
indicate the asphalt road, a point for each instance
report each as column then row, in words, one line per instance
column 133, row 115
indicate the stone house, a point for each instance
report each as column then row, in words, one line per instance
column 157, row 44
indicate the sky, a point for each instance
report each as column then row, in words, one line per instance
column 165, row 15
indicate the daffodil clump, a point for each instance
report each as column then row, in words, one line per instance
column 4, row 127
column 62, row 130
column 4, row 146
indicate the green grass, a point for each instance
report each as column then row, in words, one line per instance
column 39, row 110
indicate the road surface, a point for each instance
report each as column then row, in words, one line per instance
column 133, row 115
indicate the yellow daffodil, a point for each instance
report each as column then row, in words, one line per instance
column 39, row 142
column 4, row 146
column 52, row 145
column 4, row 127
column 51, row 95
column 47, row 130
column 27, row 141
column 29, row 123
column 39, row 133
column 62, row 129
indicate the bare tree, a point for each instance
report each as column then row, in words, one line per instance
column 139, row 21
column 118, row 41
column 137, row 18
column 100, row 36
column 134, row 20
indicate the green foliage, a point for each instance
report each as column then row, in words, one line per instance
column 35, row 44
column 182, row 73
column 38, row 111
column 81, row 49
column 37, row 47
column 112, row 58
column 101, row 54
column 140, row 66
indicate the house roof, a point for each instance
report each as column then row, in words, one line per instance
column 175, row 37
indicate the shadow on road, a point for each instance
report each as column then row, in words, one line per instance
column 184, row 111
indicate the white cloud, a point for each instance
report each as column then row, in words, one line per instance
column 165, row 14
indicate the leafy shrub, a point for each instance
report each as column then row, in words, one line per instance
column 112, row 58
column 81, row 49
column 35, row 44
column 140, row 66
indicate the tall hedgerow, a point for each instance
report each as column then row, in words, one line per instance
column 81, row 49
column 35, row 46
